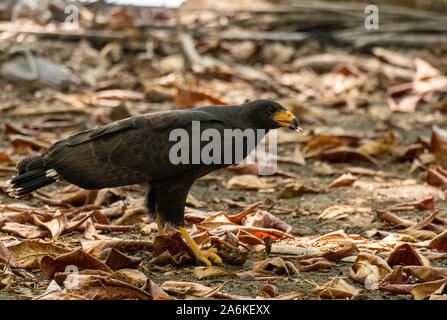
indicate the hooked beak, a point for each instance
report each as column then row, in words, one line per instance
column 286, row 119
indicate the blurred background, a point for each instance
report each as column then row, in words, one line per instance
column 62, row 54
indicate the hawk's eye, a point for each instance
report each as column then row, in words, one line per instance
column 271, row 109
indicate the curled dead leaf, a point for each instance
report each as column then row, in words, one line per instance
column 345, row 180
column 294, row 189
column 78, row 258
column 336, row 289
column 30, row 253
column 339, row 212
column 439, row 242
column 211, row 272
column 249, row 182
column 406, row 255
column 264, row 219
column 345, row 154
column 369, row 269
column 117, row 260
column 318, row 145
column 439, row 144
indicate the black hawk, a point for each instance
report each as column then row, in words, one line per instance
column 139, row 149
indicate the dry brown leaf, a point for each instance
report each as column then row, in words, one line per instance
column 392, row 218
column 424, row 70
column 167, row 258
column 345, row 180
column 338, row 212
column 369, row 269
column 6, row 277
column 439, row 242
column 313, row 264
column 269, row 291
column 132, row 276
column 272, row 266
column 78, row 198
column 187, row 98
column 290, row 250
column 25, row 230
column 336, row 289
column 172, row 242
column 155, row 291
column 56, row 225
column 5, row 159
column 89, row 230
column 369, row 172
column 440, row 294
column 191, row 201
column 345, row 154
column 431, row 255
column 296, row 157
column 6, row 258
column 396, row 276
column 259, row 233
column 435, row 178
column 406, row 255
column 318, row 145
column 249, row 182
column 30, row 253
column 294, row 189
column 424, row 204
column 191, row 289
column 338, row 238
column 385, row 144
column 26, row 143
column 216, row 220
column 95, row 287
column 237, row 218
column 78, row 258
column 132, row 216
column 96, row 247
column 406, row 104
column 426, row 273
column 420, row 234
column 393, row 57
column 340, row 254
column 439, row 144
column 410, row 152
column 289, row 296
column 424, row 290
column 211, row 272
column 256, row 169
column 61, row 296
column 118, row 94
column 263, row 219
column 117, row 260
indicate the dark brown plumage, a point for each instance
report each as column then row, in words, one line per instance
column 136, row 150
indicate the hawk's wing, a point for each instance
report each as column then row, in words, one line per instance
column 124, row 152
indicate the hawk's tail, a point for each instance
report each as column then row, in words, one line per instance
column 32, row 175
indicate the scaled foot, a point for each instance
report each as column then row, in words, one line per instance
column 201, row 255
column 205, row 255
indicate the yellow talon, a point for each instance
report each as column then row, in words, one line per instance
column 159, row 224
column 201, row 255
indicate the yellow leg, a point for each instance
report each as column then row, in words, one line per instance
column 160, row 227
column 157, row 217
column 201, row 255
